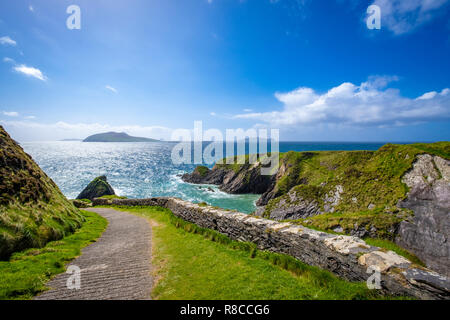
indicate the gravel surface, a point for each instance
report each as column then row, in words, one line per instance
column 116, row 267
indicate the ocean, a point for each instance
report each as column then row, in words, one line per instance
column 145, row 169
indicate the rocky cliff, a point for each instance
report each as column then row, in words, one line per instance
column 361, row 193
column 427, row 232
column 33, row 210
column 237, row 179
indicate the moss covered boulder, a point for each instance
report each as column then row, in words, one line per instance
column 97, row 188
column 33, row 210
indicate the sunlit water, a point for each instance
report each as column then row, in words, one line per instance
column 140, row 170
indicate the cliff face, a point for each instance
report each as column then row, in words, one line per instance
column 33, row 210
column 427, row 232
column 362, row 193
column 238, row 179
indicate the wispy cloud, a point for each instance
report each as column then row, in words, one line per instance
column 11, row 113
column 8, row 60
column 111, row 88
column 401, row 16
column 31, row 72
column 368, row 104
column 30, row 7
column 7, row 41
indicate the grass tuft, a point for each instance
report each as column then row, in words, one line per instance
column 27, row 272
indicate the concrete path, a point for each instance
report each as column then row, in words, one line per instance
column 116, row 267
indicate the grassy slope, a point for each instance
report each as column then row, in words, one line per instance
column 33, row 210
column 26, row 273
column 370, row 177
column 195, row 263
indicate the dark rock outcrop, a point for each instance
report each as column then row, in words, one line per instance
column 302, row 201
column 97, row 188
column 203, row 175
column 427, row 233
column 81, row 204
column 246, row 178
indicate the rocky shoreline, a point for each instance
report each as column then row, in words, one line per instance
column 415, row 200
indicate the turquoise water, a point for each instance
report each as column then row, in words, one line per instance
column 140, row 170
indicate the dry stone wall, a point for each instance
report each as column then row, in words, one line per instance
column 346, row 256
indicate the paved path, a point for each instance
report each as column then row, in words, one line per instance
column 117, row 266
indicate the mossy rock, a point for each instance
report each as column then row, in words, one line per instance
column 82, row 203
column 202, row 170
column 97, row 188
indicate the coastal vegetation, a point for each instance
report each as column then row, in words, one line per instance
column 33, row 210
column 25, row 274
column 184, row 267
column 331, row 189
column 113, row 197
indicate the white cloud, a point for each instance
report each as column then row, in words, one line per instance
column 30, row 7
column 36, row 131
column 403, row 16
column 428, row 95
column 111, row 88
column 30, row 117
column 248, row 110
column 213, row 114
column 7, row 41
column 11, row 113
column 30, row 71
column 8, row 60
column 369, row 104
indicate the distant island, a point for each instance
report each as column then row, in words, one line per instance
column 116, row 137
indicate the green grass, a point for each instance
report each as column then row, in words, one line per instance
column 27, row 272
column 196, row 263
column 383, row 222
column 327, row 222
column 113, row 197
column 202, row 170
column 33, row 211
column 369, row 179
column 85, row 200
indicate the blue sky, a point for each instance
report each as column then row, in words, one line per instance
column 310, row 68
